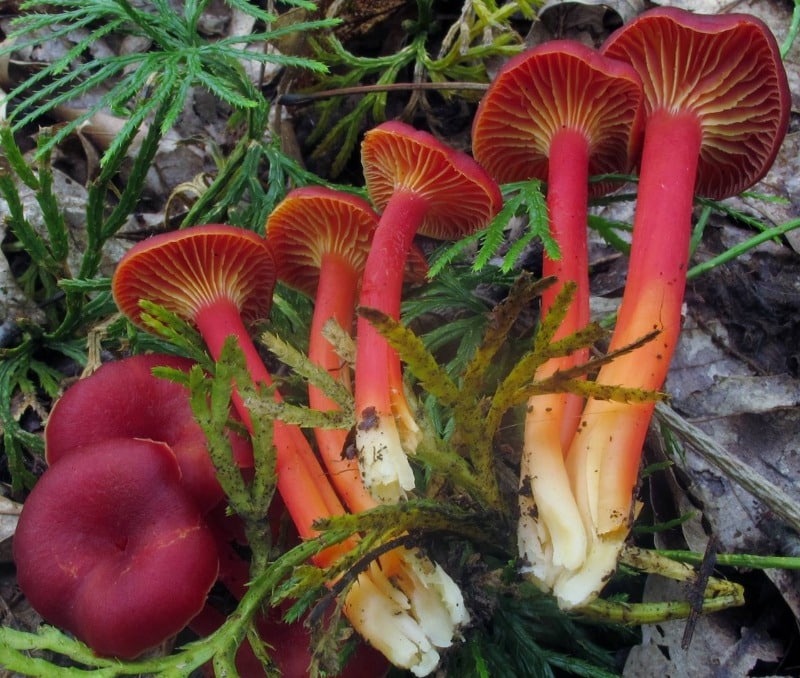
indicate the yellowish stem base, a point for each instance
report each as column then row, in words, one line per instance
column 408, row 608
column 384, row 466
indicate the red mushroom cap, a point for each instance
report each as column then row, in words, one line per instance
column 185, row 271
column 726, row 69
column 460, row 195
column 314, row 221
column 559, row 84
column 110, row 547
column 123, row 399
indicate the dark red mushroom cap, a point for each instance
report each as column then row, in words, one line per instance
column 123, row 399
column 726, row 69
column 559, row 84
column 313, row 221
column 461, row 196
column 185, row 271
column 110, row 547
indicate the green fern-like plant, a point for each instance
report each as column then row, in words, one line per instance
column 148, row 90
column 427, row 60
column 477, row 403
column 523, row 199
column 180, row 58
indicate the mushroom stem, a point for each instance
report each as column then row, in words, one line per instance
column 385, row 428
column 408, row 608
column 606, row 452
column 568, row 204
column 335, row 299
column 301, row 481
column 320, row 239
column 405, row 605
column 549, row 516
column 421, row 185
column 559, row 112
column 603, row 460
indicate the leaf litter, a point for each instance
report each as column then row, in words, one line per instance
column 736, row 377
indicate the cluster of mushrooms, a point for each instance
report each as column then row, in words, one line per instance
column 699, row 104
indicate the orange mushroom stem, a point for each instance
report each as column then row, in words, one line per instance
column 320, row 238
column 559, row 112
column 717, row 104
column 215, row 276
column 420, row 185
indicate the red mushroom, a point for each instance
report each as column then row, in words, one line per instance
column 422, row 186
column 717, row 104
column 112, row 548
column 206, row 274
column 123, row 399
column 220, row 277
column 559, row 112
column 320, row 238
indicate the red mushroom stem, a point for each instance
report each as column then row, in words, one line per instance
column 568, row 204
column 335, row 300
column 652, row 301
column 559, row 112
column 552, row 418
column 422, row 186
column 336, row 293
column 320, row 238
column 301, row 480
column 717, row 103
column 380, row 401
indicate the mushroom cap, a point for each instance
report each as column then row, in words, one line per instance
column 185, row 271
column 110, row 547
column 727, row 70
column 557, row 85
column 461, row 196
column 123, row 399
column 313, row 221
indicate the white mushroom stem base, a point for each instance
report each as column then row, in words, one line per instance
column 408, row 608
column 383, row 462
column 580, row 583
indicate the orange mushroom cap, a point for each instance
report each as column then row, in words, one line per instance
column 559, row 84
column 313, row 221
column 726, row 69
column 185, row 271
column 460, row 195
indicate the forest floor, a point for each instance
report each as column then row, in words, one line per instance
column 734, row 383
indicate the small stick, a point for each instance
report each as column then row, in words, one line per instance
column 309, row 97
column 697, row 592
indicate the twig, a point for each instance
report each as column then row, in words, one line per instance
column 299, row 99
column 772, row 496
